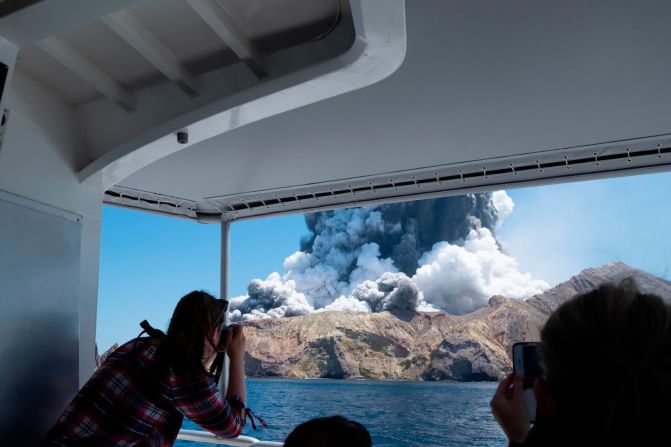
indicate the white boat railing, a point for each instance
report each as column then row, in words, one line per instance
column 240, row 441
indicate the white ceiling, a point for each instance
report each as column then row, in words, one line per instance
column 481, row 80
column 272, row 25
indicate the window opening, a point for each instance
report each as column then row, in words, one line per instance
column 407, row 312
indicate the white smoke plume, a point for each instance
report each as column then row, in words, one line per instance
column 274, row 297
column 503, row 204
column 438, row 254
column 459, row 279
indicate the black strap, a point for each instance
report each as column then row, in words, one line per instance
column 251, row 416
column 153, row 333
column 147, row 384
column 237, row 403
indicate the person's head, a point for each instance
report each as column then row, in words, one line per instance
column 333, row 431
column 194, row 330
column 606, row 357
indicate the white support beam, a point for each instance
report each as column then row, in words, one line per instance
column 153, row 50
column 60, row 50
column 210, row 438
column 223, row 294
column 228, row 30
column 46, row 18
column 377, row 52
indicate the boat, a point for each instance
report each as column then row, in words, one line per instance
column 222, row 110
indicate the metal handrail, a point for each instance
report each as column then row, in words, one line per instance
column 240, row 441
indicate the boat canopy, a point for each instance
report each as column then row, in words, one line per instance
column 490, row 95
column 216, row 110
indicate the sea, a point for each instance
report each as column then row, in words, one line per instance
column 397, row 414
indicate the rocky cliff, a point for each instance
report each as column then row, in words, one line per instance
column 421, row 346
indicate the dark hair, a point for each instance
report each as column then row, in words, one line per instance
column 194, row 320
column 607, row 359
column 333, row 431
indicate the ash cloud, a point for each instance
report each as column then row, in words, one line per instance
column 391, row 292
column 438, row 254
column 403, row 231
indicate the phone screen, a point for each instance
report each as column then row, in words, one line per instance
column 526, row 363
column 531, row 360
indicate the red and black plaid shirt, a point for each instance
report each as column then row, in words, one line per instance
column 126, row 404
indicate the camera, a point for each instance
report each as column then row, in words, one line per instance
column 226, row 332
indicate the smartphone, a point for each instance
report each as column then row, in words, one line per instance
column 526, row 364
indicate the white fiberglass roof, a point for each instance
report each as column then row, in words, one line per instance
column 295, row 104
column 483, row 85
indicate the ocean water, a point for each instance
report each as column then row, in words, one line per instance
column 397, row 414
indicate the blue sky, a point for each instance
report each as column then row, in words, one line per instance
column 556, row 231
column 148, row 261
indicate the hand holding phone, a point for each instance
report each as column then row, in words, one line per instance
column 508, row 409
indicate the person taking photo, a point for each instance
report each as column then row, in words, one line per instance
column 141, row 393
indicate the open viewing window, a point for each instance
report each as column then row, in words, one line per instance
column 408, row 307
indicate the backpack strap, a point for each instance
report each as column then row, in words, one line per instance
column 147, row 384
column 153, row 333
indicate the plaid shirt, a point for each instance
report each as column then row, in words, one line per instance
column 130, row 406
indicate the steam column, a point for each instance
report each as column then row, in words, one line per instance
column 223, row 294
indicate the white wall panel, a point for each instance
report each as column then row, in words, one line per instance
column 38, row 161
column 39, row 317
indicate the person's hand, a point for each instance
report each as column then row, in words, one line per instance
column 236, row 344
column 508, row 408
